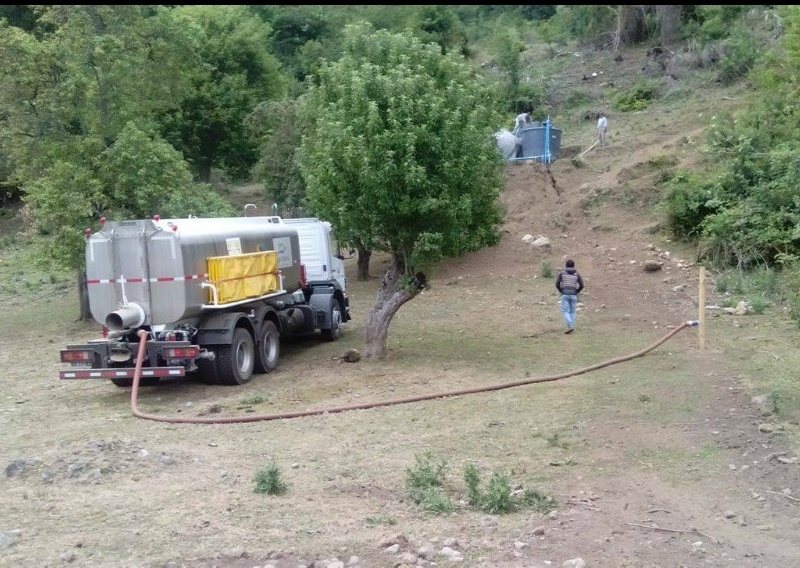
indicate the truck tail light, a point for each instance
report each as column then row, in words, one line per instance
column 188, row 352
column 76, row 356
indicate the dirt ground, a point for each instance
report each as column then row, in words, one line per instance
column 665, row 460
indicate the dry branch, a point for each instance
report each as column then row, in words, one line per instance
column 691, row 531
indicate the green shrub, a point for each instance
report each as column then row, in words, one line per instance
column 759, row 305
column 638, row 97
column 473, row 481
column 432, row 500
column 423, row 476
column 268, row 481
column 722, row 283
column 537, row 501
column 546, row 269
column 739, row 54
column 498, row 498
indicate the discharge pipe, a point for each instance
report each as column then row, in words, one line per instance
column 263, row 417
column 132, row 315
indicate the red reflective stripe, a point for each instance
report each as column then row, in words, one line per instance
column 142, row 280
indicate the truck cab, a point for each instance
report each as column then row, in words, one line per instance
column 319, row 250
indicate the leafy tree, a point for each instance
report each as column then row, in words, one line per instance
column 78, row 104
column 399, row 156
column 294, row 27
column 237, row 72
column 277, row 126
column 441, row 25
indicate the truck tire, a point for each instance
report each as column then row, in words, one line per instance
column 207, row 371
column 268, row 349
column 335, row 331
column 235, row 362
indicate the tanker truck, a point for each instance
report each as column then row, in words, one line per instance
column 214, row 296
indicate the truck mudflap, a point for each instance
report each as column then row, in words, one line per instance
column 122, row 373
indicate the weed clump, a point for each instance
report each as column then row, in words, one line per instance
column 268, row 481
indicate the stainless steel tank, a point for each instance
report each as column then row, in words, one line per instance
column 151, row 271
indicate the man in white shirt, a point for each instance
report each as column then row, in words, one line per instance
column 521, row 122
column 602, row 128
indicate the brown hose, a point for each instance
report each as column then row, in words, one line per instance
column 263, row 417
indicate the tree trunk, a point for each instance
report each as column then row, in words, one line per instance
column 669, row 20
column 630, row 25
column 364, row 256
column 83, row 297
column 390, row 298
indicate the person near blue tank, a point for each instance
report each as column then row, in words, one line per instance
column 569, row 284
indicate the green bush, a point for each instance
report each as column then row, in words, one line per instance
column 433, row 500
column 739, row 54
column 423, row 476
column 759, row 305
column 687, row 203
column 473, row 481
column 537, row 501
column 268, row 481
column 546, row 269
column 498, row 498
column 638, row 97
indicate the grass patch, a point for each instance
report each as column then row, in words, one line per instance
column 380, row 520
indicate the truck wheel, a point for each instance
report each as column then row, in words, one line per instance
column 207, row 371
column 235, row 362
column 335, row 330
column 268, row 348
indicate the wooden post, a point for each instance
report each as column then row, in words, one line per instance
column 701, row 306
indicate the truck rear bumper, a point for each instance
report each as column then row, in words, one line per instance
column 122, row 373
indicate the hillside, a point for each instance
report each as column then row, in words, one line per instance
column 672, row 459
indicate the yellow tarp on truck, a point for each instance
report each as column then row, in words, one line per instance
column 243, row 276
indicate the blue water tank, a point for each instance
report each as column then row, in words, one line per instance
column 535, row 142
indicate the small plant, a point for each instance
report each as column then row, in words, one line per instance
column 425, row 473
column 638, row 97
column 538, row 501
column 554, row 440
column 546, row 269
column 268, row 481
column 434, row 501
column 759, row 305
column 380, row 520
column 473, row 480
column 424, row 484
column 498, row 498
column 253, row 400
column 661, row 161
